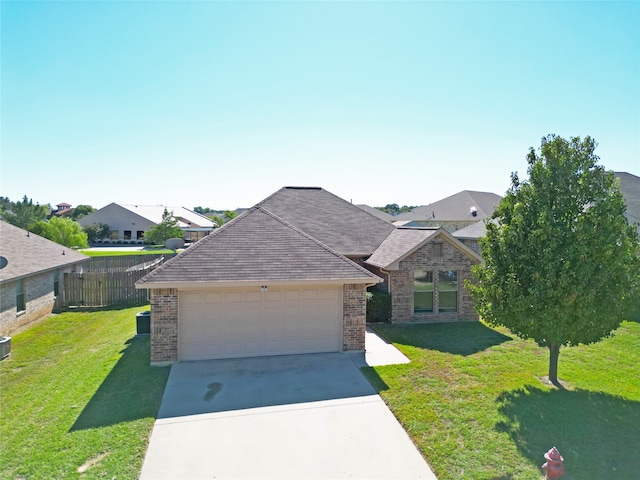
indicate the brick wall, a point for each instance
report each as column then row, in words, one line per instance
column 164, row 326
column 354, row 315
column 401, row 284
column 39, row 301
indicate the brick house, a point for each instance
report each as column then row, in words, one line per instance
column 31, row 276
column 290, row 276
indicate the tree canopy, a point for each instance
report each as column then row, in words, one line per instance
column 81, row 210
column 24, row 214
column 63, row 231
column 97, row 231
column 167, row 228
column 561, row 261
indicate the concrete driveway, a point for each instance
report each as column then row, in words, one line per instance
column 295, row 417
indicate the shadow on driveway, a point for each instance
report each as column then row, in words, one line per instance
column 236, row 384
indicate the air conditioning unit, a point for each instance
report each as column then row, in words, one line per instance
column 5, row 347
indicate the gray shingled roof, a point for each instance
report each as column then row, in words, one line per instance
column 471, row 232
column 399, row 243
column 342, row 226
column 257, row 246
column 30, row 254
column 404, row 241
column 455, row 208
column 377, row 213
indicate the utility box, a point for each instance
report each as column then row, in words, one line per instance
column 5, row 347
column 143, row 323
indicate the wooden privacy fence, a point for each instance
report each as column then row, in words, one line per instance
column 107, row 283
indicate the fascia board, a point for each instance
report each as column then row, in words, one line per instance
column 227, row 284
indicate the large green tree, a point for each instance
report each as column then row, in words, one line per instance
column 167, row 228
column 63, row 231
column 81, row 210
column 561, row 262
column 24, row 214
column 97, row 231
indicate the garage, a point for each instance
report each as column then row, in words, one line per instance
column 259, row 321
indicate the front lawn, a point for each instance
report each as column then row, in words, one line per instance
column 472, row 402
column 78, row 398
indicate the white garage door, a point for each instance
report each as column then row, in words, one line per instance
column 250, row 323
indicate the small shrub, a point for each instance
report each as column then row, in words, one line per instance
column 378, row 307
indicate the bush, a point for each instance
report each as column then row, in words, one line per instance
column 378, row 307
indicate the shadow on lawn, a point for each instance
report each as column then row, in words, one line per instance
column 132, row 390
column 596, row 433
column 463, row 338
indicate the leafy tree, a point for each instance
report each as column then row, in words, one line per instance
column 63, row 231
column 395, row 209
column 167, row 228
column 24, row 214
column 81, row 210
column 562, row 263
column 97, row 231
column 227, row 215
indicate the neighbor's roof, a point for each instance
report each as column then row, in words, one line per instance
column 152, row 213
column 471, row 232
column 455, row 208
column 255, row 248
column 28, row 253
column 404, row 241
column 340, row 225
column 184, row 216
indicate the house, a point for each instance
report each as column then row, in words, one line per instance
column 630, row 189
column 31, row 275
column 290, row 276
column 453, row 212
column 62, row 210
column 129, row 222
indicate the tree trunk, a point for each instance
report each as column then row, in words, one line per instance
column 554, row 353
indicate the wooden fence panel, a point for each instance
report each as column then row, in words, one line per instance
column 108, row 283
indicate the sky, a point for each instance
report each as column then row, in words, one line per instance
column 220, row 104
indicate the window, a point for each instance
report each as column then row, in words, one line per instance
column 127, row 234
column 422, row 291
column 448, row 291
column 115, row 235
column 140, row 235
column 20, row 303
column 436, row 250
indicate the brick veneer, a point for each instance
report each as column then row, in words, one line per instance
column 164, row 326
column 39, row 302
column 401, row 284
column 164, row 322
column 354, row 315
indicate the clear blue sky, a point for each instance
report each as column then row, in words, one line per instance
column 219, row 104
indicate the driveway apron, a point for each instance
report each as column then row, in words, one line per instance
column 285, row 417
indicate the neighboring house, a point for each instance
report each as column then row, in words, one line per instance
column 290, row 276
column 378, row 213
column 452, row 213
column 62, row 210
column 630, row 189
column 31, row 275
column 129, row 222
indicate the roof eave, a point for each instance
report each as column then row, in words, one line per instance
column 256, row 283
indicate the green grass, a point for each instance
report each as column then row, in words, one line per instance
column 77, row 390
column 472, row 401
column 115, row 253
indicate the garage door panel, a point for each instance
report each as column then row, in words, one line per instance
column 250, row 322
